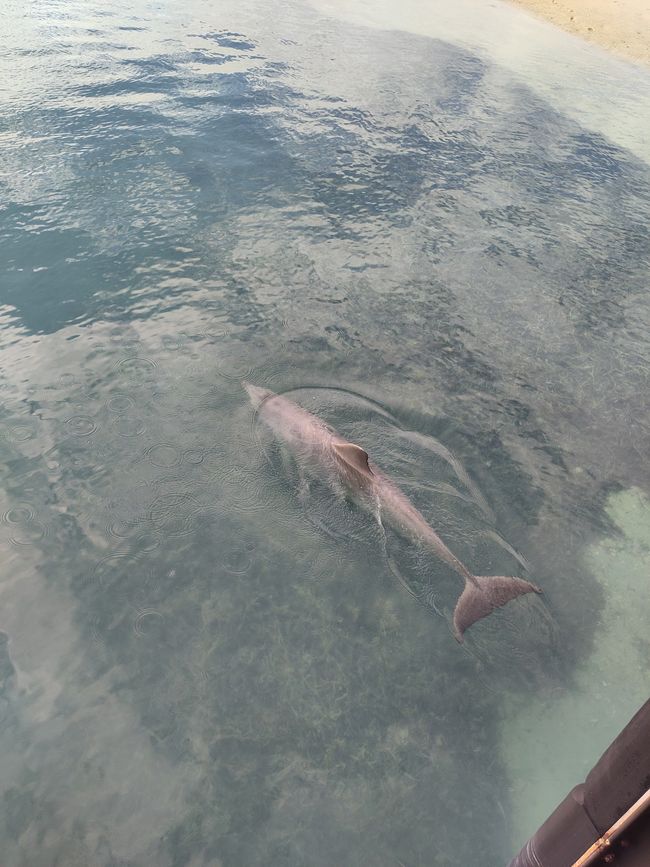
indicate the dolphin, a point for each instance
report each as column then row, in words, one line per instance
column 348, row 465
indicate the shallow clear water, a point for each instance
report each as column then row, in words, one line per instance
column 197, row 667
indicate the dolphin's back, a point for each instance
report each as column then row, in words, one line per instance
column 292, row 423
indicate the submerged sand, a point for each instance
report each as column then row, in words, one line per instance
column 541, row 777
column 622, row 26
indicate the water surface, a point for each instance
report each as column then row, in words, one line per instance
column 408, row 239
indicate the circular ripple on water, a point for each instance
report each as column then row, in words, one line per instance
column 175, row 514
column 237, row 561
column 235, row 364
column 145, row 542
column 273, row 375
column 20, row 433
column 123, row 529
column 136, row 367
column 67, row 380
column 214, row 334
column 80, row 425
column 194, row 456
column 24, row 528
column 163, row 455
column 244, row 490
column 18, row 515
column 128, row 427
column 147, row 622
column 120, row 403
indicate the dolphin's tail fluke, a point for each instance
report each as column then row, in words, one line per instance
column 484, row 593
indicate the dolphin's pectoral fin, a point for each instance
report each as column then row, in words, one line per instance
column 354, row 456
column 377, row 515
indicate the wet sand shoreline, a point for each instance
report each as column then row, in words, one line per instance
column 621, row 26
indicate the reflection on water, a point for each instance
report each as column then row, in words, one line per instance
column 197, row 665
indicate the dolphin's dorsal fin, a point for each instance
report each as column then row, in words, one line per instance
column 354, row 456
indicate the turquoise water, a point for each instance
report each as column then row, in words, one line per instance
column 409, row 239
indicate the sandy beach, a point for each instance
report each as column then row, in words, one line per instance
column 622, row 26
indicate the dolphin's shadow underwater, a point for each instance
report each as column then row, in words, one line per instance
column 348, row 471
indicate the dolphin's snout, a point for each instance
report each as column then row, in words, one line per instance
column 255, row 393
